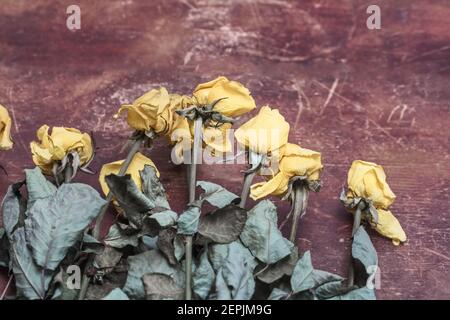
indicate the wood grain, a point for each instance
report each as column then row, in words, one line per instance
column 391, row 103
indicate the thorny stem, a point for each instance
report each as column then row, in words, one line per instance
column 299, row 202
column 356, row 224
column 96, row 232
column 198, row 123
column 248, row 179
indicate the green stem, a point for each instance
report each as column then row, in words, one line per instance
column 300, row 200
column 356, row 224
column 198, row 123
column 248, row 179
column 96, row 232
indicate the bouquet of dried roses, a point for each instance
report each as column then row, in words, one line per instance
column 217, row 248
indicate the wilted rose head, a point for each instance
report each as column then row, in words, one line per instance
column 5, row 129
column 265, row 132
column 235, row 99
column 54, row 147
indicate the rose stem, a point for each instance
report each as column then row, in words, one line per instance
column 299, row 202
column 6, row 287
column 198, row 122
column 248, row 178
column 356, row 224
column 96, row 232
column 68, row 172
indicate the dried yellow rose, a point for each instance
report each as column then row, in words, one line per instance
column 5, row 129
column 368, row 180
column 238, row 98
column 137, row 164
column 155, row 110
column 389, row 226
column 266, row 132
column 55, row 146
column 295, row 161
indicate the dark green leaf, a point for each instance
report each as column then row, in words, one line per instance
column 152, row 187
column 203, row 278
column 31, row 281
column 223, row 225
column 160, row 286
column 218, row 254
column 188, row 221
column 56, row 223
column 331, row 289
column 148, row 262
column 216, row 194
column 116, row 294
column 134, row 203
column 261, row 235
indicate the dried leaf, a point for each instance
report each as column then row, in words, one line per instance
column 116, row 294
column 31, row 281
column 261, row 235
column 165, row 243
column 91, row 245
column 109, row 258
column 160, row 286
column 11, row 209
column 203, row 277
column 277, row 270
column 216, row 194
column 188, row 221
column 223, row 225
column 364, row 252
column 117, row 238
column 4, row 249
column 152, row 187
column 278, row 294
column 148, row 262
column 38, row 187
column 134, row 203
column 56, row 223
column 158, row 221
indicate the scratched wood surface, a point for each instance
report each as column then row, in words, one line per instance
column 391, row 102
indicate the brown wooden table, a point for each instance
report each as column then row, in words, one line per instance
column 390, row 104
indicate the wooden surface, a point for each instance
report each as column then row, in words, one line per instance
column 391, row 104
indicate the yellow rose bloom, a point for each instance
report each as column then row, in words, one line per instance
column 368, row 180
column 389, row 226
column 295, row 161
column 55, row 146
column 5, row 129
column 137, row 164
column 238, row 98
column 154, row 110
column 266, row 132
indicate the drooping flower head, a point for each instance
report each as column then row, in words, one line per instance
column 55, row 146
column 266, row 132
column 5, row 129
column 367, row 180
column 295, row 162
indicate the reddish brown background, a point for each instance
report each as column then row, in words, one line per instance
column 391, row 104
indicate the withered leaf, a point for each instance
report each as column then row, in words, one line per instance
column 153, row 188
column 160, row 286
column 134, row 203
column 215, row 194
column 223, row 225
column 275, row 271
column 165, row 243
